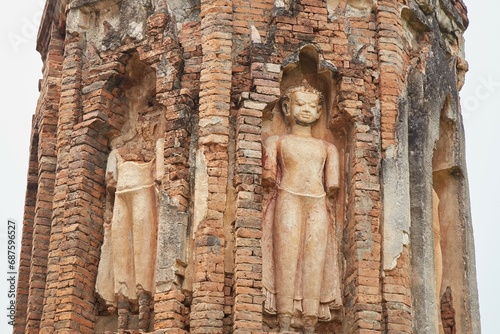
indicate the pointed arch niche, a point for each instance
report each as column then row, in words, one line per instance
column 449, row 222
column 306, row 66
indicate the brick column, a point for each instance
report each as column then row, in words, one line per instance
column 362, row 234
column 82, row 230
column 207, row 310
column 27, row 237
column 69, row 107
column 396, row 283
column 78, row 214
column 390, row 54
column 247, row 290
column 46, row 122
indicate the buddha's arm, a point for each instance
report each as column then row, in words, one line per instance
column 269, row 161
column 111, row 176
column 332, row 170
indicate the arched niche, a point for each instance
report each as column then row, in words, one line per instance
column 136, row 132
column 307, row 67
column 449, row 224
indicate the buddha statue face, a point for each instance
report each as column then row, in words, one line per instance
column 305, row 107
column 302, row 105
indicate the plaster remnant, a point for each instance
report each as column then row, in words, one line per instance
column 331, row 6
column 171, row 258
column 255, row 35
column 108, row 23
column 357, row 8
column 396, row 204
column 279, row 4
column 213, row 121
column 200, row 190
column 184, row 11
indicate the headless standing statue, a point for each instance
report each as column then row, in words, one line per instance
column 126, row 272
column 303, row 172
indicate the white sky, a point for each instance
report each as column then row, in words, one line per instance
column 20, row 70
column 480, row 104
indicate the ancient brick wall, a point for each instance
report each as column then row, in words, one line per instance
column 219, row 67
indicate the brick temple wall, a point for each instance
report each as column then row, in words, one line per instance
column 218, row 67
